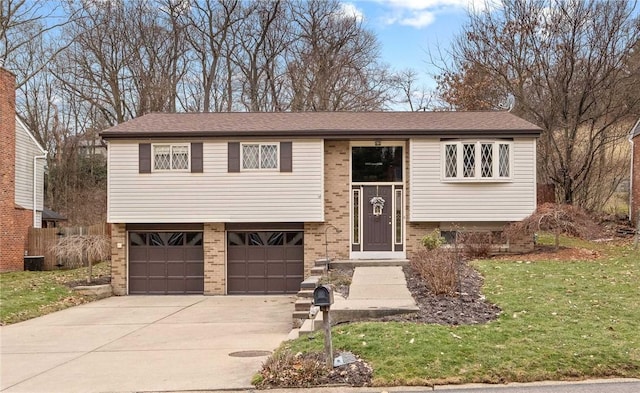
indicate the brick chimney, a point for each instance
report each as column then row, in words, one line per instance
column 11, row 239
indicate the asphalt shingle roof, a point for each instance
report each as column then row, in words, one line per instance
column 322, row 124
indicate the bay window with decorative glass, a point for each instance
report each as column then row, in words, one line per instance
column 260, row 156
column 476, row 160
column 171, row 157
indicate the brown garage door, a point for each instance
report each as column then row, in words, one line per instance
column 264, row 262
column 163, row 263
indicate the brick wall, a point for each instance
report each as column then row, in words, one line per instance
column 214, row 259
column 119, row 259
column 635, row 186
column 15, row 223
column 336, row 208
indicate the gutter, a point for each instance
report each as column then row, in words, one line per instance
column 35, row 182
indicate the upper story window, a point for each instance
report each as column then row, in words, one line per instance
column 477, row 160
column 260, row 156
column 170, row 157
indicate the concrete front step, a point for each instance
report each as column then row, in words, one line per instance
column 301, row 314
column 353, row 263
column 318, row 270
column 303, row 304
column 305, row 293
column 310, row 283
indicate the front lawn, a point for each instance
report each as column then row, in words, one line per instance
column 26, row 295
column 560, row 320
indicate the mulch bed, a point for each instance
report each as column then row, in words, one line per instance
column 466, row 307
column 358, row 373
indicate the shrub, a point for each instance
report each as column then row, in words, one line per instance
column 433, row 240
column 476, row 244
column 440, row 268
column 558, row 219
column 284, row 369
column 83, row 248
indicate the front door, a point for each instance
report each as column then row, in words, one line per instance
column 377, row 215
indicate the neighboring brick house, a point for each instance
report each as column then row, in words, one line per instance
column 245, row 203
column 20, row 152
column 634, row 194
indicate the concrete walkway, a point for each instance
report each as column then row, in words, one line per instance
column 144, row 343
column 374, row 292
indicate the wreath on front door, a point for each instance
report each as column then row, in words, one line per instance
column 378, row 205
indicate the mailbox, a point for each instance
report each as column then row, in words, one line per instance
column 323, row 296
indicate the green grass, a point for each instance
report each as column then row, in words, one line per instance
column 26, row 295
column 560, row 320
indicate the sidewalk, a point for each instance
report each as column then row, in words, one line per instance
column 614, row 385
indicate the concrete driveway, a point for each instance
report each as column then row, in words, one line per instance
column 144, row 343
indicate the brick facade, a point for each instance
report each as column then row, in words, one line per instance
column 119, row 259
column 337, row 184
column 15, row 221
column 635, row 182
column 215, row 275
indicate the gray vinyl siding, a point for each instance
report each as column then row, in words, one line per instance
column 215, row 195
column 435, row 200
column 26, row 149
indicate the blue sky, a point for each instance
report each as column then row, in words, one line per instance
column 408, row 29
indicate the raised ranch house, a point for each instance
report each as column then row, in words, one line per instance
column 21, row 179
column 245, row 203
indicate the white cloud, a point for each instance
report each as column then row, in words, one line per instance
column 351, row 11
column 421, row 13
column 418, row 19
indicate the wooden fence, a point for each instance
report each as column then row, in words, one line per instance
column 41, row 241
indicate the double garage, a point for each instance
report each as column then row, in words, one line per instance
column 170, row 260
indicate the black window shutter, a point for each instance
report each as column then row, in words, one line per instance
column 286, row 157
column 196, row 157
column 144, row 158
column 233, row 160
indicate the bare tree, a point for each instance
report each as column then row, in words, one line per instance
column 334, row 63
column 210, row 24
column 22, row 28
column 263, row 22
column 563, row 60
column 418, row 98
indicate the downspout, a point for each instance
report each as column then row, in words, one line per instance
column 35, row 182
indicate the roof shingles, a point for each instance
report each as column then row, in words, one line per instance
column 320, row 124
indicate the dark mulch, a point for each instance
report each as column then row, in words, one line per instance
column 308, row 369
column 358, row 373
column 468, row 306
column 340, row 278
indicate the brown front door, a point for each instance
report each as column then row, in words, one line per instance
column 377, row 225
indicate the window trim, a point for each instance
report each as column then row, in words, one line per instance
column 260, row 169
column 477, row 177
column 171, row 146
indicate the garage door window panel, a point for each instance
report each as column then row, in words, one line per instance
column 194, row 239
column 294, row 238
